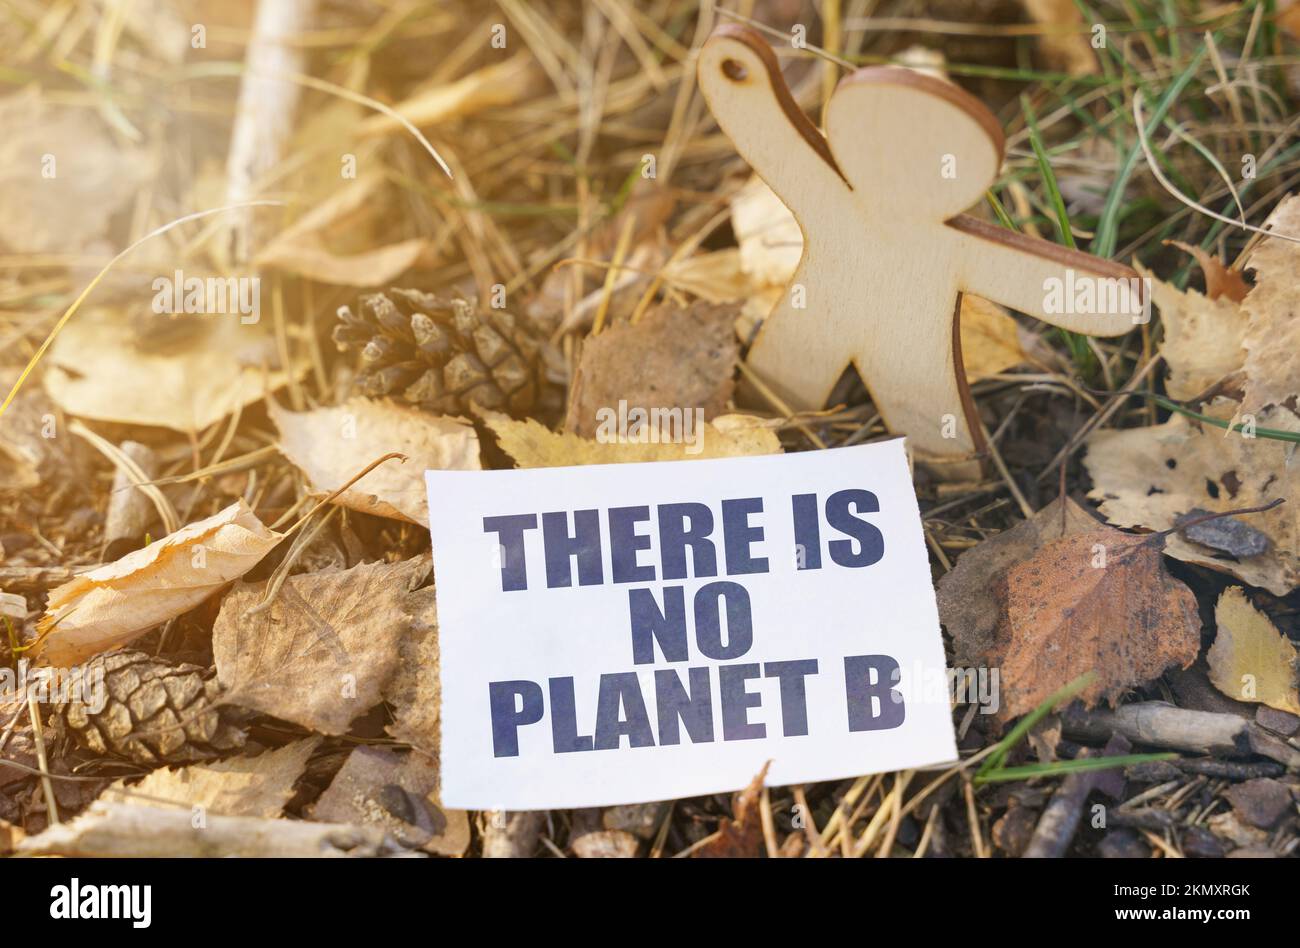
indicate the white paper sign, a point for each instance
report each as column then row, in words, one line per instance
column 633, row 632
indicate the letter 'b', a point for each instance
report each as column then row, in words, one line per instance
column 860, row 690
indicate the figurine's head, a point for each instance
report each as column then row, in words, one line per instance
column 917, row 145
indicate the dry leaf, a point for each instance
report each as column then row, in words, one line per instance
column 300, row 248
column 62, row 177
column 674, row 357
column 29, row 450
column 771, row 244
column 96, row 371
column 397, row 793
column 1220, row 281
column 129, row 829
column 767, row 233
column 325, row 648
column 534, row 445
column 990, row 339
column 240, row 786
column 1068, row 47
column 1098, row 602
column 1272, row 339
column 109, row 606
column 968, row 605
column 1149, row 477
column 330, row 445
column 415, row 691
column 1203, row 337
column 492, row 86
column 1250, row 659
column 742, row 835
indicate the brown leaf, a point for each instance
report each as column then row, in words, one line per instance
column 109, row 606
column 415, row 691
column 1220, row 281
column 240, row 786
column 397, row 793
column 1250, row 659
column 65, row 206
column 728, row 436
column 97, row 371
column 1149, row 477
column 968, row 605
column 1068, row 48
column 301, row 249
column 674, row 358
column 742, row 835
column 330, row 445
column 1097, row 602
column 326, row 647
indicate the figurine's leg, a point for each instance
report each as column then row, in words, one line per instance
column 796, row 357
column 910, row 369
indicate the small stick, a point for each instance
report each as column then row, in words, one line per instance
column 38, row 735
column 128, row 507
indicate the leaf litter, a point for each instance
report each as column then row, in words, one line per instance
column 328, row 645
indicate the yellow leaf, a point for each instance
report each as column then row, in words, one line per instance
column 534, row 445
column 109, row 606
column 1250, row 659
column 330, row 445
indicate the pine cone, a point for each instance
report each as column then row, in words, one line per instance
column 442, row 353
column 154, row 712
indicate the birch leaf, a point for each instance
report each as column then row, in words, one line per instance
column 110, row 606
column 728, row 436
column 325, row 648
column 1098, row 602
column 329, row 445
column 240, row 786
column 1250, row 659
column 1149, row 477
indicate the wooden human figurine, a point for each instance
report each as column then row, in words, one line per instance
column 887, row 251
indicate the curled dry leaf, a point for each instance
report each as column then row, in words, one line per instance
column 968, row 603
column 674, row 358
column 1250, row 659
column 1149, row 477
column 771, row 245
column 396, row 792
column 240, row 786
column 742, row 835
column 109, row 606
column 330, row 445
column 324, row 649
column 1098, row 602
column 534, row 445
column 98, row 368
column 300, row 248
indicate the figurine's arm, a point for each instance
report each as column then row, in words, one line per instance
column 1048, row 281
column 742, row 82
